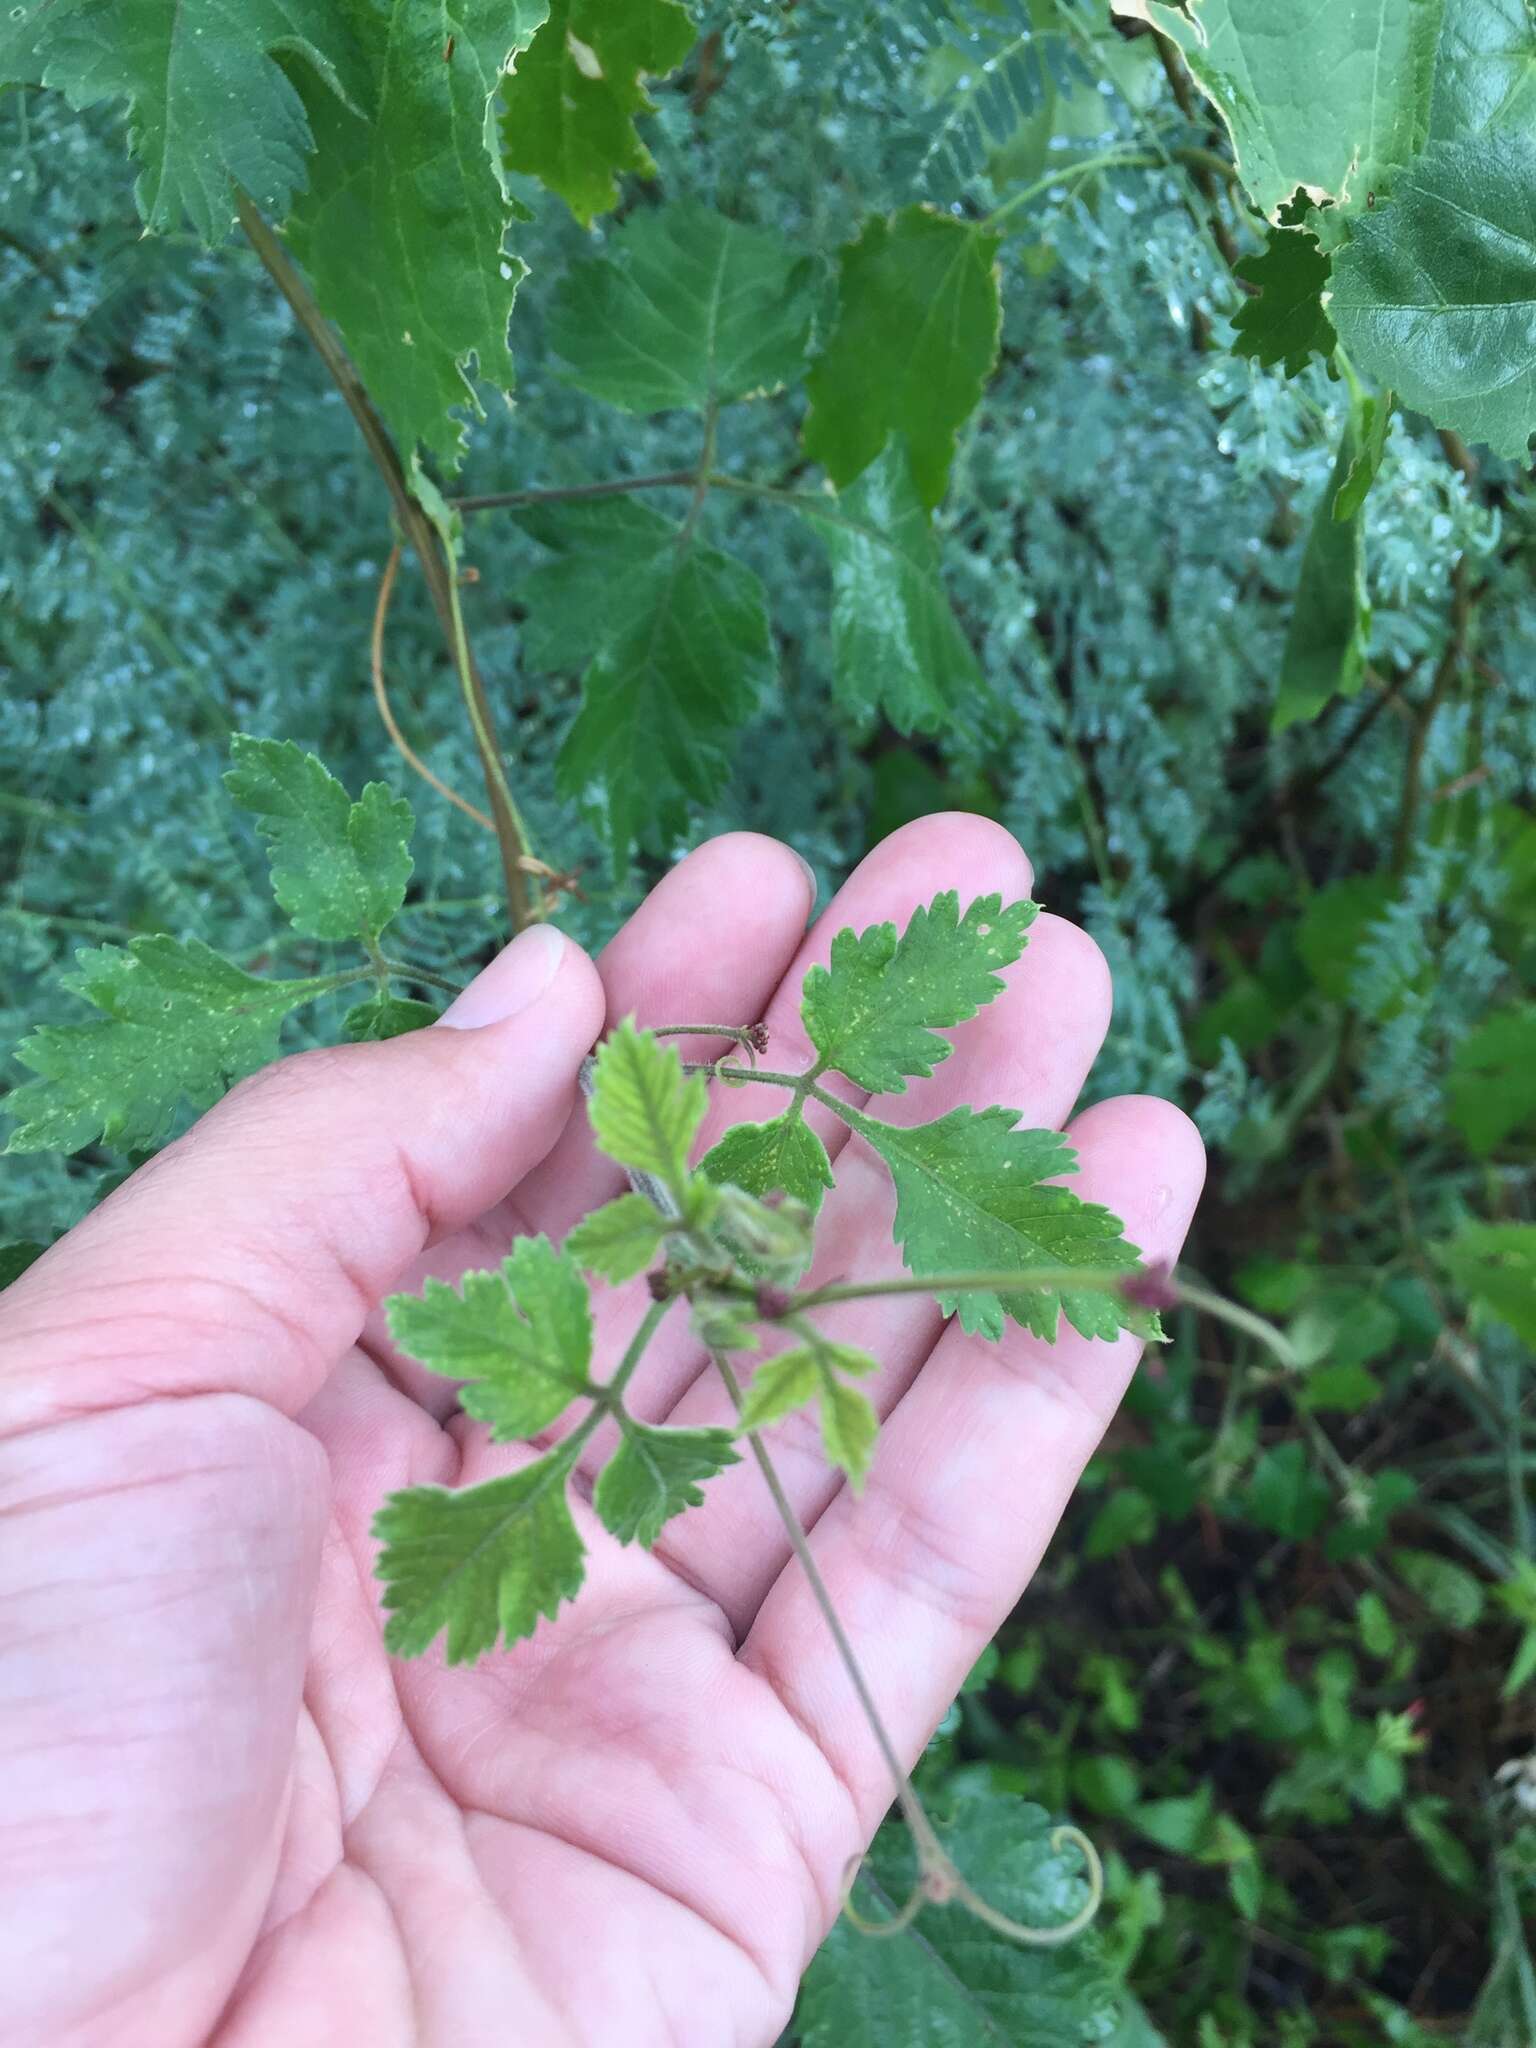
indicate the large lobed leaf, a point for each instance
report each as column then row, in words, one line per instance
column 975, row 1192
column 1285, row 322
column 404, row 219
column 949, row 1981
column 874, row 1012
column 915, row 339
column 570, row 106
column 178, row 1024
column 339, row 868
column 688, row 309
column 210, row 104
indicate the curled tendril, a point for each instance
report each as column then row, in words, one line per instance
column 750, row 1039
column 941, row 1884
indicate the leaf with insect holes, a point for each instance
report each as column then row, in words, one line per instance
column 872, row 1013
column 818, row 1370
column 645, row 1110
column 973, row 1193
column 655, row 1474
column 178, row 1024
column 569, row 107
column 1285, row 323
column 478, row 1565
column 620, row 1239
column 210, row 85
column 784, row 1156
column 339, row 868
column 521, row 1335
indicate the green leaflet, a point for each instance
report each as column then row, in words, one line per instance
column 645, row 1111
column 620, row 1239
column 1333, row 99
column 874, row 1012
column 784, row 1156
column 897, row 648
column 914, row 341
column 521, row 1336
column 972, row 1193
column 383, row 1017
column 478, row 1565
column 1492, row 1088
column 689, row 309
column 1435, row 295
column 210, row 104
column 570, row 106
column 1485, row 75
column 948, row 1979
column 1286, row 322
column 655, row 1474
column 683, row 655
column 403, row 223
column 819, row 1370
column 1494, row 1264
column 1325, row 646
column 178, row 1024
column 339, row 869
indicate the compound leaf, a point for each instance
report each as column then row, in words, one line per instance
column 683, row 655
column 897, row 647
column 210, row 105
column 784, row 1156
column 1435, row 295
column 339, row 869
column 819, row 1370
column 873, row 1013
column 690, row 309
column 521, row 1335
column 1325, row 645
column 949, row 1979
column 655, row 1474
column 620, row 1239
column 570, row 105
column 972, row 1192
column 1333, row 105
column 179, row 1023
column 645, row 1110
column 403, row 223
column 478, row 1565
column 914, row 341
column 1286, row 322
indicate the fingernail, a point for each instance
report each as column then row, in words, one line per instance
column 810, row 876
column 515, row 979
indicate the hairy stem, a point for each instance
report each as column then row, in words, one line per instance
column 403, row 970
column 413, row 522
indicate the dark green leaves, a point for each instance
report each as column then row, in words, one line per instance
column 655, row 1474
column 1492, row 1089
column 874, row 1013
column 972, row 1194
column 1325, row 647
column 784, row 1156
column 682, row 657
column 403, row 222
column 913, row 344
column 339, row 869
column 1435, row 295
column 1494, row 1264
column 571, row 103
column 949, row 1980
column 478, row 1565
column 209, row 86
column 645, row 1111
column 521, row 1336
column 690, row 309
column 178, row 1024
column 897, row 648
column 1286, row 322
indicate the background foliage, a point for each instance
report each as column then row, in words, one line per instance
column 1282, row 1660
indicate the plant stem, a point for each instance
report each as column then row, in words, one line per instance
column 611, row 1398
column 428, row 978
column 724, row 1072
column 413, row 522
column 563, row 494
column 1418, row 741
column 386, row 711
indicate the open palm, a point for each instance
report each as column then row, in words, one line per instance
column 225, row 1814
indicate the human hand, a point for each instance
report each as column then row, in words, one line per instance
column 225, row 1814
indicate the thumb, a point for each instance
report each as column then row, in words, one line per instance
column 245, row 1257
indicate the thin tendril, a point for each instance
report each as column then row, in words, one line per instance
column 402, row 745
